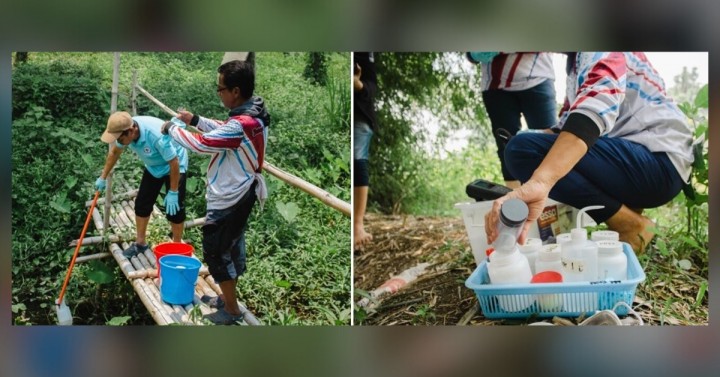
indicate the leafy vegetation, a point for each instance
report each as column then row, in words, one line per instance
column 298, row 249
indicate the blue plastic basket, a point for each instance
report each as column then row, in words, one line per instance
column 555, row 299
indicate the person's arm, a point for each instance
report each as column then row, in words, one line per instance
column 230, row 136
column 174, row 173
column 111, row 160
column 367, row 78
column 565, row 153
column 202, row 124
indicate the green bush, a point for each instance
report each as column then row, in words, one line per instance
column 65, row 88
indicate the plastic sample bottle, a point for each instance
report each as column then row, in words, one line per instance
column 548, row 259
column 612, row 261
column 548, row 302
column 579, row 259
column 605, row 235
column 562, row 238
column 510, row 268
column 579, row 255
column 513, row 215
column 530, row 250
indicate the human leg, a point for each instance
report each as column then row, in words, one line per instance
column 503, row 109
column 144, row 201
column 177, row 221
column 615, row 173
column 362, row 135
column 224, row 247
column 538, row 105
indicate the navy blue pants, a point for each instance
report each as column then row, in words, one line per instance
column 612, row 173
column 536, row 104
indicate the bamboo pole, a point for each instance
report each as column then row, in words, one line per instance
column 94, row 240
column 169, row 309
column 151, row 303
column 113, row 108
column 177, row 311
column 309, row 188
column 125, row 195
column 207, row 291
column 134, row 93
column 120, row 214
column 97, row 220
column 129, row 211
column 85, row 258
column 125, row 265
column 196, row 222
column 288, row 178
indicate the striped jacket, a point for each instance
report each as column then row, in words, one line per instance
column 237, row 147
column 625, row 97
column 517, row 71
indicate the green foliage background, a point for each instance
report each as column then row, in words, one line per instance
column 298, row 249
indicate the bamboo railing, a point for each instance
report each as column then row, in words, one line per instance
column 322, row 195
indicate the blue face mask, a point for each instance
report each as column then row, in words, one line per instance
column 482, row 56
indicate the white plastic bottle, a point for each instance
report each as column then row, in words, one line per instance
column 562, row 238
column 530, row 250
column 510, row 268
column 579, row 259
column 548, row 259
column 612, row 262
column 605, row 235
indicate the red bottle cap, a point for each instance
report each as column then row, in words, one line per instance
column 489, row 251
column 547, row 277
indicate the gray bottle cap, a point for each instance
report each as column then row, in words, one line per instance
column 514, row 212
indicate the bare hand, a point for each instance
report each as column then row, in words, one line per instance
column 533, row 193
column 185, row 116
column 357, row 84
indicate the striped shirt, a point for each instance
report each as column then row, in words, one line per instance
column 625, row 97
column 517, row 71
column 235, row 163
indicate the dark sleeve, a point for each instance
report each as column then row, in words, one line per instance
column 368, row 76
column 583, row 127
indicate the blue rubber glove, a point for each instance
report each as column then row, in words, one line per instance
column 481, row 56
column 100, row 184
column 171, row 202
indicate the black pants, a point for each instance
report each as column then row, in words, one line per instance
column 149, row 191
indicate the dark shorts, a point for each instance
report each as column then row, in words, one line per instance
column 149, row 191
column 224, row 238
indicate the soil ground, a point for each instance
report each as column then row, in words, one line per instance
column 439, row 296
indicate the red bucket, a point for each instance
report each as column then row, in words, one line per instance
column 171, row 248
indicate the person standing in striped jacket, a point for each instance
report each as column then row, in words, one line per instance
column 234, row 179
column 621, row 142
column 515, row 84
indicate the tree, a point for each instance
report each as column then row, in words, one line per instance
column 20, row 57
column 411, row 86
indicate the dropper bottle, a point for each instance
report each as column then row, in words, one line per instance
column 579, row 255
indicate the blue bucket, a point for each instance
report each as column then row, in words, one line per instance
column 178, row 276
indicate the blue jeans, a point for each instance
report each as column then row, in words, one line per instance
column 362, row 134
column 536, row 104
column 614, row 172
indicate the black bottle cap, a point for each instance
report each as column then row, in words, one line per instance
column 514, row 212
